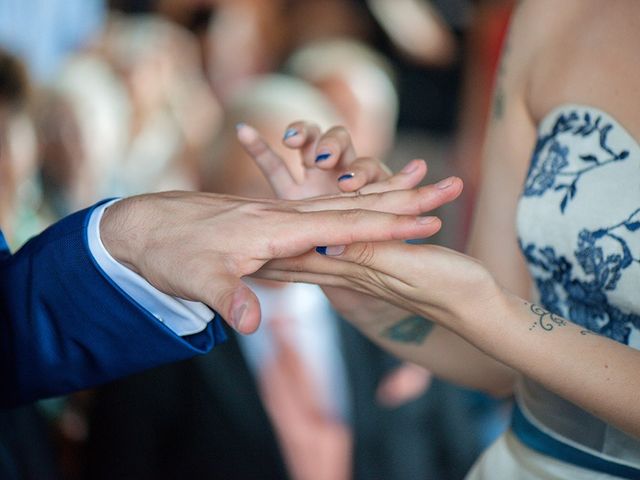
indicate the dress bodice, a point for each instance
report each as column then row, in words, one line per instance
column 578, row 226
column 579, row 221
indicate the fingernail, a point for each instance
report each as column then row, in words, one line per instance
column 346, row 176
column 321, row 250
column 426, row 220
column 237, row 316
column 334, row 251
column 410, row 167
column 444, row 184
column 290, row 132
column 246, row 133
column 323, row 156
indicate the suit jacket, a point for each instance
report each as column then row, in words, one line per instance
column 64, row 326
column 203, row 419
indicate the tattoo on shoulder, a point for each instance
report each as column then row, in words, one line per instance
column 409, row 330
column 545, row 320
column 589, row 332
column 499, row 96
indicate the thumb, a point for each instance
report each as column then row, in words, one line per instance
column 236, row 303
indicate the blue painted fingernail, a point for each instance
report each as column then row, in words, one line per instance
column 239, row 125
column 322, row 156
column 321, row 250
column 346, row 176
column 291, row 132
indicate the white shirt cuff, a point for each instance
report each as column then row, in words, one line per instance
column 183, row 317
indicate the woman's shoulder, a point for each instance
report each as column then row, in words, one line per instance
column 588, row 56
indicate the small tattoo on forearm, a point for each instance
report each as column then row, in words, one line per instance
column 410, row 330
column 545, row 319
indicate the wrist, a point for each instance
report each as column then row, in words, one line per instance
column 118, row 235
column 483, row 300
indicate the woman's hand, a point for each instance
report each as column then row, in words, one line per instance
column 328, row 164
column 430, row 281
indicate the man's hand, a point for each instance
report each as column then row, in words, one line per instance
column 198, row 246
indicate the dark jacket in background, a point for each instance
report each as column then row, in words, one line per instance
column 203, row 419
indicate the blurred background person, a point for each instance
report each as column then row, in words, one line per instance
column 132, row 115
column 19, row 191
column 26, row 450
column 360, row 84
column 172, row 114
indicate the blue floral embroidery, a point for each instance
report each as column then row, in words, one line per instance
column 585, row 301
column 549, row 164
column 544, row 177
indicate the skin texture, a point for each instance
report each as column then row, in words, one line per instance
column 487, row 332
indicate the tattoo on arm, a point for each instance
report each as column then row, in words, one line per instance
column 499, row 93
column 410, row 330
column 545, row 319
column 548, row 321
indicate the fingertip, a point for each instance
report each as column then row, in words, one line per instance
column 335, row 250
column 245, row 319
column 410, row 167
column 331, row 251
column 346, row 176
column 352, row 181
column 322, row 156
column 428, row 220
column 452, row 187
column 460, row 183
column 290, row 133
column 246, row 133
column 430, row 225
column 295, row 135
column 245, row 311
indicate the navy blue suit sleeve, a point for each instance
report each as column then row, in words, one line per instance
column 64, row 326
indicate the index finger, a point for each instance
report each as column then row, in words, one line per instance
column 273, row 167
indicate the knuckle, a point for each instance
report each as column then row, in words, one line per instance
column 313, row 129
column 365, row 254
column 351, row 217
column 340, row 133
column 273, row 248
